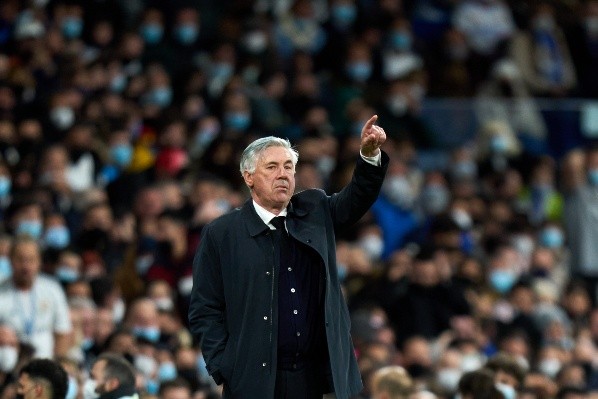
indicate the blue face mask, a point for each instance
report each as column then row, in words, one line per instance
column 498, row 144
column 118, row 83
column 152, row 334
column 5, row 186
column 166, row 372
column 400, row 40
column 202, row 368
column 32, row 228
column 86, row 344
column 238, row 121
column 72, row 27
column 121, row 154
column 552, row 237
column 593, row 177
column 359, row 71
column 151, row 33
column 186, row 33
column 222, row 70
column 508, row 391
column 152, row 387
column 57, row 237
column 502, row 281
column 73, row 388
column 160, row 96
column 66, row 274
column 5, row 268
column 344, row 15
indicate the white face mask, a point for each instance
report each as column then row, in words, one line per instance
column 8, row 358
column 550, row 367
column 373, row 245
column 147, row 365
column 118, row 311
column 89, row 389
column 449, row 378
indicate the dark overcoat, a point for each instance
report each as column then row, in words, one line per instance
column 234, row 301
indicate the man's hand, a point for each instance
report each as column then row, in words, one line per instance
column 372, row 138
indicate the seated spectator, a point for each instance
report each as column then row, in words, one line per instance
column 391, row 382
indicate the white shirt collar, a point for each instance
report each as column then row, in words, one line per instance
column 266, row 215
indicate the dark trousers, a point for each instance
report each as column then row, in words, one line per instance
column 300, row 383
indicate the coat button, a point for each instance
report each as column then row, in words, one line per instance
column 292, row 290
column 326, row 324
column 265, row 317
column 308, row 240
column 267, row 273
column 263, row 364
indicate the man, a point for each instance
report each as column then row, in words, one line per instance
column 178, row 388
column 42, row 379
column 266, row 301
column 35, row 306
column 111, row 377
column 9, row 354
column 392, row 382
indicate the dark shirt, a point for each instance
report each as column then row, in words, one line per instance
column 300, row 296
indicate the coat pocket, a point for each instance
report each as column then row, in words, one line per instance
column 227, row 363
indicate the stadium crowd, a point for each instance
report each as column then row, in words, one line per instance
column 121, row 126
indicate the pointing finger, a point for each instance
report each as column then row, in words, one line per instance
column 370, row 122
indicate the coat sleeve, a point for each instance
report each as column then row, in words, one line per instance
column 207, row 305
column 354, row 200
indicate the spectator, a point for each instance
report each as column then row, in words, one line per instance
column 391, row 382
column 35, row 305
column 111, row 376
column 9, row 354
column 175, row 389
column 479, row 384
column 42, row 378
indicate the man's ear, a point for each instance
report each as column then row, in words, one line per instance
column 248, row 177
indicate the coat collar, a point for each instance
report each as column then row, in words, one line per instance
column 256, row 225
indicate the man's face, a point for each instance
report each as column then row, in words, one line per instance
column 98, row 375
column 273, row 182
column 28, row 387
column 25, row 263
column 176, row 393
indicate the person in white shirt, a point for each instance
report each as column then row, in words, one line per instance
column 35, row 305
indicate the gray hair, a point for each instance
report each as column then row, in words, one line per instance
column 254, row 150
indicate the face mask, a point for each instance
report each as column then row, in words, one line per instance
column 591, row 24
column 398, row 190
column 507, row 390
column 343, row 15
column 524, row 245
column 550, row 367
column 121, row 154
column 147, row 365
column 152, row 33
column 448, row 378
column 152, row 334
column 498, row 144
column 471, row 362
column 222, row 70
column 160, row 96
column 502, row 281
column 202, row 368
column 118, row 83
column 164, row 304
column 8, row 358
column 89, row 390
column 86, row 344
column 593, row 177
column 5, row 268
column 66, row 274
column 435, row 198
column 143, row 263
column 238, row 121
column 152, row 387
column 462, row 218
column 359, row 71
column 57, row 237
column 62, row 117
column 342, row 271
column 464, row 170
column 255, row 42
column 31, row 228
column 398, row 105
column 186, row 33
column 326, row 164
column 5, row 185
column 400, row 41
column 551, row 237
column 373, row 245
column 167, row 372
column 118, row 311
column 543, row 23
column 72, row 27
column 73, row 389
